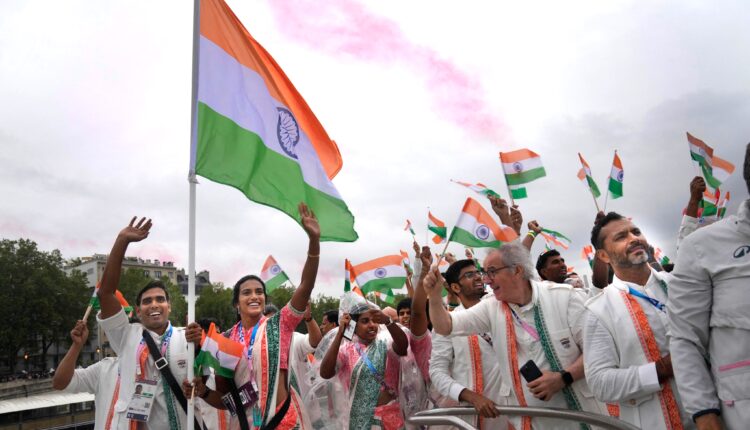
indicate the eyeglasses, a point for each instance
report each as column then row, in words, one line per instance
column 491, row 272
column 471, row 274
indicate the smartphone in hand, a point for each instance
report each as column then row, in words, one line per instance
column 530, row 371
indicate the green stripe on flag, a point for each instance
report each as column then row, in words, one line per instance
column 592, row 186
column 276, row 281
column 697, row 157
column 383, row 284
column 205, row 359
column 615, row 188
column 231, row 155
column 463, row 237
column 440, row 231
column 709, row 177
column 518, row 193
column 525, row 177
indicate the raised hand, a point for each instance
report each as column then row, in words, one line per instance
column 500, row 206
column 415, row 246
column 308, row 312
column 194, row 333
column 309, row 222
column 135, row 232
column 426, row 258
column 344, row 322
column 80, row 333
column 535, row 227
column 432, row 282
column 516, row 219
column 468, row 253
column 697, row 188
column 599, row 215
column 450, row 258
column 380, row 318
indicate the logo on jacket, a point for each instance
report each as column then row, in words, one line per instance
column 742, row 251
column 565, row 342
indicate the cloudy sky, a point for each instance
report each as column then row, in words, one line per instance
column 94, row 118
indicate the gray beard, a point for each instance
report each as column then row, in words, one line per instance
column 633, row 261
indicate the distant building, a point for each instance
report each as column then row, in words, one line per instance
column 202, row 280
column 93, row 268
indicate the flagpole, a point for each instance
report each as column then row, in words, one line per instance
column 427, row 231
column 595, row 202
column 191, row 205
column 606, row 195
column 507, row 185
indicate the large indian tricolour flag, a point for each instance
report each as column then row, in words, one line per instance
column 256, row 133
column 381, row 274
column 475, row 227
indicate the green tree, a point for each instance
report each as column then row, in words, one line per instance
column 40, row 301
column 216, row 302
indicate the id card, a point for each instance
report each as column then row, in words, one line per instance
column 140, row 405
column 248, row 396
column 349, row 330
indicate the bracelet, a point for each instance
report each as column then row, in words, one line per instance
column 531, row 233
column 312, row 256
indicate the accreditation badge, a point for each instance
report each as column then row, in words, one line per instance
column 142, row 401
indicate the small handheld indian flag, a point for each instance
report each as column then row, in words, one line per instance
column 475, row 227
column 710, row 202
column 615, row 178
column 94, row 302
column 478, row 188
column 521, row 167
column 219, row 353
column 585, row 175
column 556, row 238
column 409, row 227
column 700, row 152
column 588, row 254
column 438, row 227
column 386, row 296
column 406, row 261
column 721, row 169
column 723, row 206
column 660, row 257
column 272, row 275
column 381, row 274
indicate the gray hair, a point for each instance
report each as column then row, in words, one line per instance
column 514, row 254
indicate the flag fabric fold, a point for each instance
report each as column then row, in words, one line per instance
column 478, row 188
column 256, row 133
column 438, row 227
column 272, row 275
column 556, row 238
column 521, row 167
column 616, row 175
column 409, row 227
column 381, row 274
column 585, row 175
column 219, row 353
column 476, row 228
column 588, row 255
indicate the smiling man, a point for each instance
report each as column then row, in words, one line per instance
column 527, row 320
column 626, row 346
column 137, row 365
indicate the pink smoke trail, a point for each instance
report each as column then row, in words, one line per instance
column 346, row 28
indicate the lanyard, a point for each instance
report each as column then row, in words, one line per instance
column 371, row 367
column 252, row 338
column 526, row 326
column 143, row 351
column 657, row 304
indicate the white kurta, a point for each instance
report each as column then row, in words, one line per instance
column 563, row 309
column 124, row 338
column 617, row 368
column 452, row 371
column 98, row 379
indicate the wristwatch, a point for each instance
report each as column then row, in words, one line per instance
column 390, row 321
column 566, row 377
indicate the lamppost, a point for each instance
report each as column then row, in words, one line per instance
column 26, row 361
